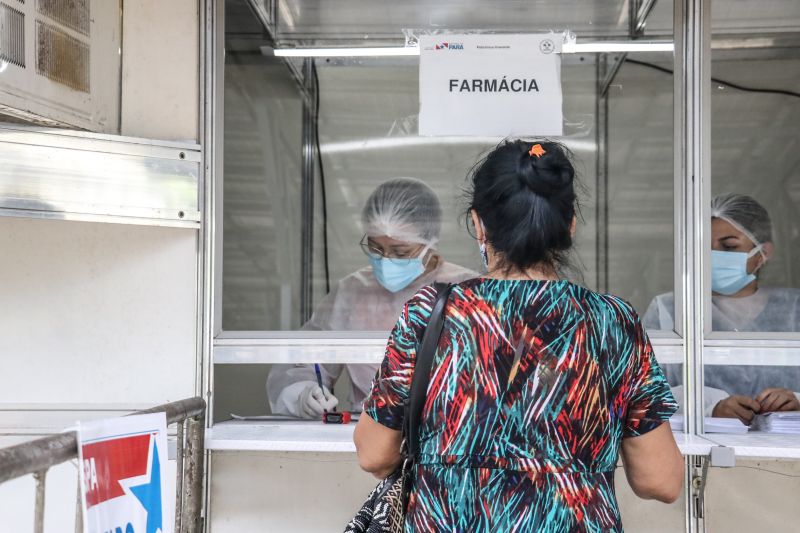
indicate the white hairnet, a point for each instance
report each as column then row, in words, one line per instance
column 745, row 214
column 405, row 209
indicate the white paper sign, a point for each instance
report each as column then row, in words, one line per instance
column 123, row 473
column 490, row 85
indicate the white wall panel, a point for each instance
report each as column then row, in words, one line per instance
column 299, row 492
column 754, row 496
column 96, row 313
column 160, row 69
column 314, row 492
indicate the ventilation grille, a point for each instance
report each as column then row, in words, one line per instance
column 12, row 36
column 73, row 14
column 62, row 58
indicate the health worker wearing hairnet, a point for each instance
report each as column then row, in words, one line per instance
column 401, row 222
column 741, row 246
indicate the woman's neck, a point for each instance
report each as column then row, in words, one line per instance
column 546, row 273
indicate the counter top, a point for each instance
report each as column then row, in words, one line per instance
column 312, row 436
column 759, row 445
column 286, row 436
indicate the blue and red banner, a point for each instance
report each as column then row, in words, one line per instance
column 124, row 475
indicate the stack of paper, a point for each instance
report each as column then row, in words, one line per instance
column 724, row 425
column 785, row 423
column 712, row 425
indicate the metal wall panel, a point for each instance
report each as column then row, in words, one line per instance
column 98, row 178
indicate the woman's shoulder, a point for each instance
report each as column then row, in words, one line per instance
column 609, row 306
column 422, row 301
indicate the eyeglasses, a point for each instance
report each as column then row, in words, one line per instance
column 396, row 254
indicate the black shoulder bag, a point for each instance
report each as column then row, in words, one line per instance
column 385, row 508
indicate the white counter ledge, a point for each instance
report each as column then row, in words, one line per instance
column 281, row 436
column 759, row 445
column 692, row 444
column 313, row 436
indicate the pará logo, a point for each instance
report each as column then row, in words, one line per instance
column 450, row 46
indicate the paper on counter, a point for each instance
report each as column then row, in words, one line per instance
column 783, row 423
column 713, row 425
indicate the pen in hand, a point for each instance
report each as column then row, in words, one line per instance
column 319, row 380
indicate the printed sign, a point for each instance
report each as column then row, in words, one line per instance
column 124, row 475
column 490, row 85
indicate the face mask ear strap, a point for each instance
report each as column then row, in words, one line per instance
column 483, row 228
column 428, row 248
column 758, row 249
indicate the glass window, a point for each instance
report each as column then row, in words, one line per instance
column 261, row 238
column 640, row 205
column 289, row 265
column 367, row 131
column 755, row 195
column 755, row 230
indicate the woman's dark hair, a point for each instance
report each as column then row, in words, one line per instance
column 527, row 202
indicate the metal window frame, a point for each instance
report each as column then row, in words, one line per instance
column 693, row 343
column 692, row 120
column 212, row 76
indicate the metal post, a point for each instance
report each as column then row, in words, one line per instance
column 38, row 510
column 307, row 214
column 640, row 14
column 601, row 181
column 79, row 507
column 633, row 11
column 191, row 521
column 692, row 166
column 695, row 91
column 179, row 478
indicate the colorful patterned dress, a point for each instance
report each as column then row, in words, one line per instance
column 534, row 385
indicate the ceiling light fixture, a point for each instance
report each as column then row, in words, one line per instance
column 395, row 51
column 625, row 46
column 348, row 52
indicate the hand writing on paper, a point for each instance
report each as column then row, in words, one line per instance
column 777, row 400
column 736, row 406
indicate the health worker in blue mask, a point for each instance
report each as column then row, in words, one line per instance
column 741, row 249
column 401, row 221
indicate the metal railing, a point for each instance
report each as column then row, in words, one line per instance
column 37, row 456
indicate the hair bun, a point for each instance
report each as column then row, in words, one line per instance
column 546, row 175
column 526, row 229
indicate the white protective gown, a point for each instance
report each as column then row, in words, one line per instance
column 357, row 303
column 769, row 309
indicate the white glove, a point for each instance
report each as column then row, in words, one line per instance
column 313, row 401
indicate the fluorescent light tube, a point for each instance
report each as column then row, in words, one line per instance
column 567, row 48
column 625, row 46
column 348, row 52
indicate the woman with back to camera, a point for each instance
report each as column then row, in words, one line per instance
column 537, row 383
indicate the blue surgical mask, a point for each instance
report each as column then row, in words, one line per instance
column 482, row 249
column 484, row 255
column 396, row 274
column 729, row 271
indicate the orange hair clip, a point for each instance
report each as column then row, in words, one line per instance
column 537, row 150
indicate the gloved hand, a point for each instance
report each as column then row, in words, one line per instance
column 313, row 401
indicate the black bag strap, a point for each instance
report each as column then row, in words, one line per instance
column 422, row 370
